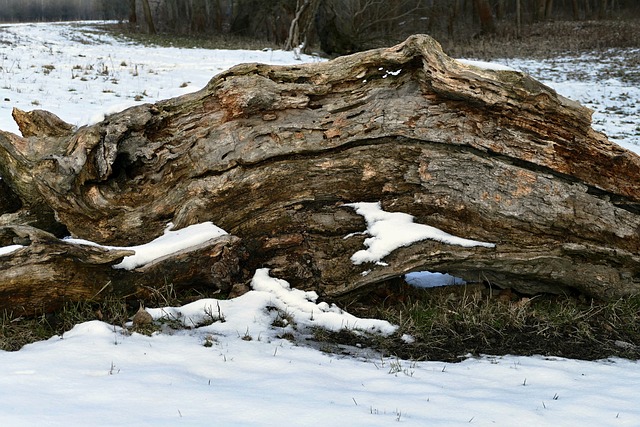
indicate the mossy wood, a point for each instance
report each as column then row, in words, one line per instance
column 272, row 153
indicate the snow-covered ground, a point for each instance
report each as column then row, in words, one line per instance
column 234, row 365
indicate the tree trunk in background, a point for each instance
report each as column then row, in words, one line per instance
column 518, row 18
column 500, row 10
column 275, row 154
column 171, row 15
column 199, row 17
column 333, row 40
column 483, row 9
column 548, row 11
column 219, row 16
column 453, row 17
column 148, row 17
column 602, row 13
column 575, row 9
column 133, row 17
column 540, row 6
column 298, row 25
column 587, row 9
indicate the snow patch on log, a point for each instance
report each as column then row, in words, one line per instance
column 167, row 244
column 392, row 230
column 9, row 249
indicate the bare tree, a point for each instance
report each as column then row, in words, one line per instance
column 500, row 10
column 133, row 17
column 483, row 9
column 575, row 9
column 602, row 12
column 587, row 9
column 358, row 24
column 301, row 24
column 548, row 8
column 148, row 18
column 518, row 18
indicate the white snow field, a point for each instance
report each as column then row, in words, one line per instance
column 232, row 365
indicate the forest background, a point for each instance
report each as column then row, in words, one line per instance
column 344, row 26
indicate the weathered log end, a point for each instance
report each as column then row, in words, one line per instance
column 275, row 154
column 42, row 272
column 21, row 201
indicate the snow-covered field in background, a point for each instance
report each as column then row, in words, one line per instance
column 243, row 371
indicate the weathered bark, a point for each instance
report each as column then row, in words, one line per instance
column 271, row 154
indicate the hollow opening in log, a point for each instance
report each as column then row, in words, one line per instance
column 428, row 279
column 120, row 166
column 9, row 201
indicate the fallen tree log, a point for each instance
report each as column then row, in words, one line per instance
column 272, row 154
